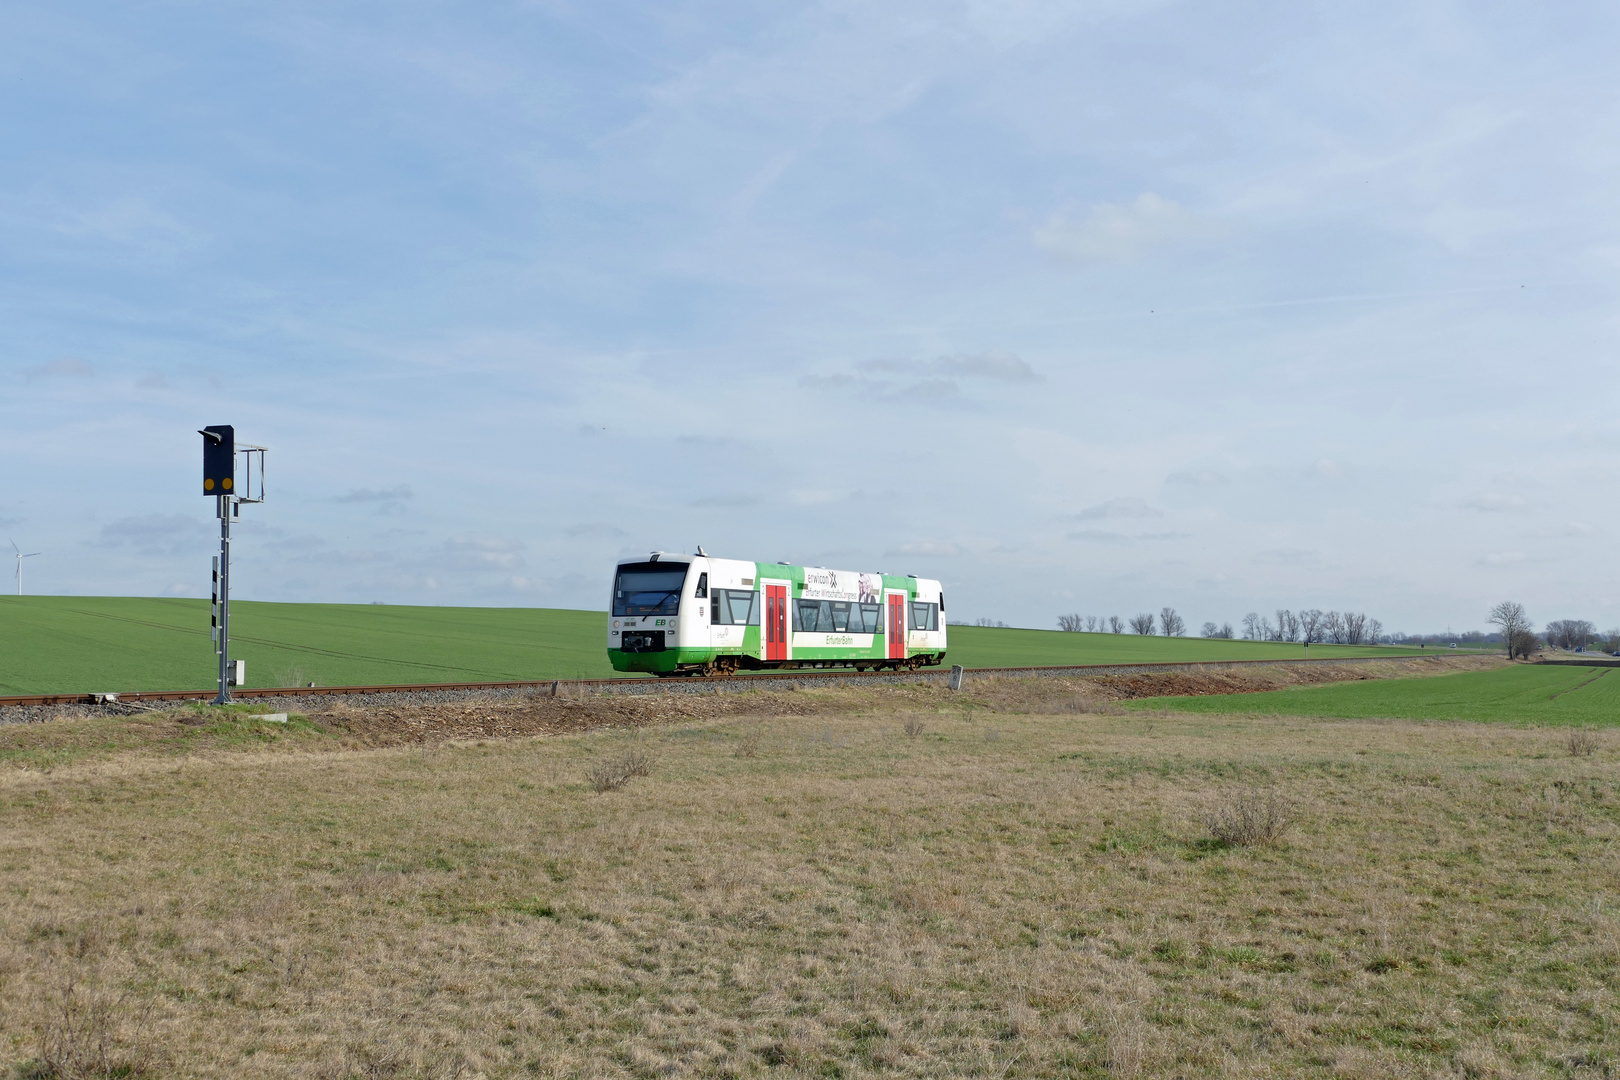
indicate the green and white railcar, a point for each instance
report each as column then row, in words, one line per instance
column 696, row 615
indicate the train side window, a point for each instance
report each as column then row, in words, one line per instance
column 872, row 617
column 702, row 590
column 734, row 607
column 924, row 616
column 813, row 616
column 840, row 618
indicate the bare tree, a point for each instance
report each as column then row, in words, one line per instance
column 1071, row 623
column 1114, row 625
column 1375, row 630
column 1287, row 625
column 1510, row 617
column 1355, row 628
column 1251, row 626
column 1142, row 624
column 1310, row 626
column 1091, row 624
column 1333, row 627
column 1211, row 630
column 1171, row 624
column 1570, row 633
column 1266, row 632
column 1226, row 631
column 1522, row 644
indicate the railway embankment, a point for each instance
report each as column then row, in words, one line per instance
column 403, row 716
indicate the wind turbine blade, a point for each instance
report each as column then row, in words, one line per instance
column 14, row 546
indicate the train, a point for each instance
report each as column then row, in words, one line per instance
column 673, row 614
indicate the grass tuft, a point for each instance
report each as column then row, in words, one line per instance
column 613, row 774
column 1249, row 818
column 80, row 1039
column 1581, row 741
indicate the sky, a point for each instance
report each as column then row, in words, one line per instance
column 1087, row 307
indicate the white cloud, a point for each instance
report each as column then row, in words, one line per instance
column 595, row 530
column 153, row 534
column 1496, row 502
column 1328, row 469
column 398, row 493
column 728, row 502
column 1284, row 557
column 483, row 553
column 925, row 380
column 67, row 367
column 1200, row 478
column 1001, row 367
column 390, row 502
column 1121, row 232
column 925, row 547
column 1104, row 536
column 1118, row 508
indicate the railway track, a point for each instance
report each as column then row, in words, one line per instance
column 633, row 685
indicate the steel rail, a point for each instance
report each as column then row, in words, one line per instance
column 626, row 682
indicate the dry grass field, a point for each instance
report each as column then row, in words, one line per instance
column 1018, row 881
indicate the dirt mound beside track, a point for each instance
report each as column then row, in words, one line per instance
column 544, row 715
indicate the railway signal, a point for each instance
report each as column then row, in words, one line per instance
column 219, row 459
column 219, row 480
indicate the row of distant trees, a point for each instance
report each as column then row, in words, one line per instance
column 1313, row 625
column 1308, row 626
column 1167, row 623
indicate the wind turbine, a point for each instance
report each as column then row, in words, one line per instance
column 20, row 558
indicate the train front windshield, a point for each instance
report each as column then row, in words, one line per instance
column 648, row 589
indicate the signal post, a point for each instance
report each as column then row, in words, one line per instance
column 219, row 480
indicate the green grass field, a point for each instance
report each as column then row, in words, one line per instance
column 1515, row 695
column 57, row 644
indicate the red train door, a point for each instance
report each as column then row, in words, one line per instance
column 776, row 622
column 897, row 626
